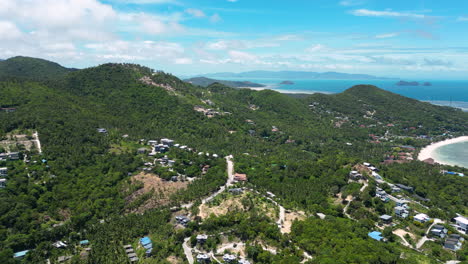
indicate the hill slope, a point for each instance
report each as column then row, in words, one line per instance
column 31, row 68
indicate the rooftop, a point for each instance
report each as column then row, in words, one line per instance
column 462, row 220
column 375, row 235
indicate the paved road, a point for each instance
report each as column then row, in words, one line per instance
column 229, row 182
column 188, row 250
column 38, row 143
column 425, row 238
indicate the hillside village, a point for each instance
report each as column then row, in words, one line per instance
column 167, row 162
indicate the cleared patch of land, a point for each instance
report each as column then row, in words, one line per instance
column 155, row 192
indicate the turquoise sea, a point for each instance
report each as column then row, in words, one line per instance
column 442, row 92
column 453, row 154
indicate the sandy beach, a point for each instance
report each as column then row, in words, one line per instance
column 429, row 151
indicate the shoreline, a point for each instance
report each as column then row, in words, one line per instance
column 429, row 151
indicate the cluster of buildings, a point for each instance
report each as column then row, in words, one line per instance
column 206, row 111
column 132, row 256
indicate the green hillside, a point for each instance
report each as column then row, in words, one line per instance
column 300, row 149
column 31, row 68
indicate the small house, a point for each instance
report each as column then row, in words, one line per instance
column 404, row 187
column 59, row 244
column 439, row 231
column 401, row 203
column 240, row 177
column 355, row 176
column 453, row 242
column 152, row 142
column 182, row 219
column 102, row 130
column 386, row 219
column 236, row 190
column 3, row 172
column 203, row 258
column 168, row 142
column 3, row 183
column 244, row 261
column 84, row 242
column 171, row 163
column 421, row 218
column 229, row 258
column 202, row 238
column 401, row 212
column 13, row 155
column 174, row 178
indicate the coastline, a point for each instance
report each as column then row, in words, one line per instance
column 429, row 151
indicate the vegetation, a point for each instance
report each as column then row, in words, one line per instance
column 284, row 143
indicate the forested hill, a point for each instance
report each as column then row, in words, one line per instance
column 364, row 102
column 300, row 149
column 31, row 68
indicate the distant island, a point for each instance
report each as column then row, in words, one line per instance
column 203, row 81
column 287, row 82
column 405, row 83
column 292, row 75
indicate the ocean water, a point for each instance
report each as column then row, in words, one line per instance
column 453, row 154
column 442, row 92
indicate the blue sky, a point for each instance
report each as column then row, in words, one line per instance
column 408, row 39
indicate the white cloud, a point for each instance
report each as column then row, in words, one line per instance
column 9, row 31
column 232, row 1
column 373, row 13
column 463, row 18
column 387, row 35
column 195, row 12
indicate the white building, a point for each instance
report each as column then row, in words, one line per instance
column 422, row 218
column 3, row 171
column 229, row 258
column 462, row 224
